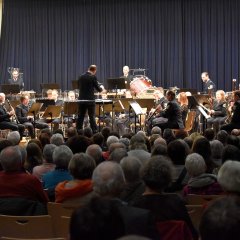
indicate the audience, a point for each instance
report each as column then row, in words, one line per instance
column 200, row 182
column 221, row 220
column 157, row 174
column 79, row 189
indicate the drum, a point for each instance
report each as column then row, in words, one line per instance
column 140, row 84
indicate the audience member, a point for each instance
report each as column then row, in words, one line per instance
column 108, row 181
column 95, row 152
column 221, row 220
column 157, row 174
column 222, row 136
column 14, row 137
column 230, row 152
column 209, row 134
column 134, row 186
column 79, row 189
column 47, row 164
column 57, row 139
column 200, row 182
column 16, row 183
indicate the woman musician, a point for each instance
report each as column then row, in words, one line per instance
column 218, row 112
column 183, row 102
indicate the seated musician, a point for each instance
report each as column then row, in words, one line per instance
column 171, row 116
column 218, row 112
column 53, row 94
column 5, row 117
column 126, row 73
column 235, row 119
column 183, row 101
column 28, row 121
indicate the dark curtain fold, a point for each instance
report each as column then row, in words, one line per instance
column 175, row 40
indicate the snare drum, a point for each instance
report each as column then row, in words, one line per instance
column 140, row 84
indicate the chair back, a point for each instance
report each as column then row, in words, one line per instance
column 60, row 214
column 195, row 212
column 195, row 199
column 174, row 230
column 26, row 226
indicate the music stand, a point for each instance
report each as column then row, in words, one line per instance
column 49, row 86
column 10, row 88
column 52, row 112
column 192, row 102
column 116, row 83
column 70, row 108
column 33, row 111
column 46, row 102
column 137, row 111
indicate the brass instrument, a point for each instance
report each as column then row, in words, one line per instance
column 14, row 117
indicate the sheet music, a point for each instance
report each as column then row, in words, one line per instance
column 203, row 112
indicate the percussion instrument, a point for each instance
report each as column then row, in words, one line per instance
column 140, row 84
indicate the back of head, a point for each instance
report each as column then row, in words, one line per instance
column 98, row 139
column 99, row 219
column 118, row 154
column 161, row 141
column 157, row 173
column 71, row 132
column 228, row 176
column 87, row 132
column 11, row 159
column 131, row 168
column 57, row 139
column 195, row 164
column 138, row 142
column 14, row 137
column 156, row 130
column 209, row 134
column 81, row 166
column 95, row 152
column 114, row 146
column 61, row 156
column 48, row 152
column 112, row 139
column 222, row 136
column 177, row 151
column 233, row 140
column 159, row 149
column 221, row 220
column 216, row 149
column 230, row 152
column 108, row 179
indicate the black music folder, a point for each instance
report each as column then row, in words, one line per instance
column 46, row 102
column 118, row 83
column 10, row 88
column 52, row 112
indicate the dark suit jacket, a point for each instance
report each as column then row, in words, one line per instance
column 209, row 84
column 87, row 83
column 236, row 113
column 4, row 116
column 18, row 82
column 173, row 113
column 21, row 113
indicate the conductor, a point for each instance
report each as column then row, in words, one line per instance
column 87, row 83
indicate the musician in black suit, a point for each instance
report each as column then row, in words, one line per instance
column 87, row 83
column 235, row 120
column 171, row 116
column 126, row 73
column 21, row 113
column 16, row 78
column 208, row 84
column 218, row 112
column 5, row 117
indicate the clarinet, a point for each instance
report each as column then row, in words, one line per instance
column 14, row 117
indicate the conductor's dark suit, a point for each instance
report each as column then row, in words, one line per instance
column 87, row 83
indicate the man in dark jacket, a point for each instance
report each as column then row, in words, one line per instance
column 87, row 83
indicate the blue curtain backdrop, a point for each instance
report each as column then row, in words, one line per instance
column 175, row 40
